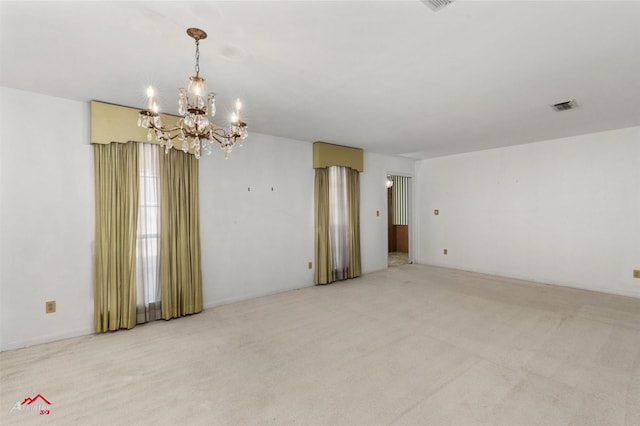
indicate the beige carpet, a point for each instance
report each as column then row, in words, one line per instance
column 413, row 345
column 397, row 259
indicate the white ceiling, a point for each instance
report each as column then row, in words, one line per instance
column 392, row 77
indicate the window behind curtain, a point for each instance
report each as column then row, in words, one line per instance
column 148, row 238
column 338, row 221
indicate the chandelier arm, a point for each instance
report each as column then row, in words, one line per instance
column 223, row 134
column 223, row 140
column 165, row 131
column 220, row 135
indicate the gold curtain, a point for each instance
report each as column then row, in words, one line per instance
column 353, row 207
column 180, row 263
column 116, row 192
column 322, row 251
column 325, row 272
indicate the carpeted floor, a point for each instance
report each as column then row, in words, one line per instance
column 397, row 259
column 412, row 345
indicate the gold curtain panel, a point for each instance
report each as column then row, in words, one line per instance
column 327, row 155
column 116, row 189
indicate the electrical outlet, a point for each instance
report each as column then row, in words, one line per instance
column 50, row 306
column 446, row 251
column 310, row 265
column 436, row 212
column 636, row 273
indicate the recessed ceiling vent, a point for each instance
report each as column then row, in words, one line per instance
column 436, row 5
column 563, row 106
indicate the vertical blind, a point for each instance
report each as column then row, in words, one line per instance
column 399, row 200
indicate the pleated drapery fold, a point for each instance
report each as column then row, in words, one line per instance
column 323, row 273
column 180, row 259
column 353, row 220
column 116, row 214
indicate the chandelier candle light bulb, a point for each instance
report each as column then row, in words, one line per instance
column 152, row 105
column 193, row 128
column 150, row 93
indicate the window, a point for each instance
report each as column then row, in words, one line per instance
column 148, row 237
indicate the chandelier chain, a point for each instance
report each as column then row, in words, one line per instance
column 197, row 57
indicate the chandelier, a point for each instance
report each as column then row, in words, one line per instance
column 194, row 129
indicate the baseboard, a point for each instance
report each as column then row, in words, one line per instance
column 228, row 300
column 44, row 339
column 538, row 280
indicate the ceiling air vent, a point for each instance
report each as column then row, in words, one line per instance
column 436, row 5
column 563, row 106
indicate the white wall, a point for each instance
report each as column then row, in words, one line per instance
column 258, row 241
column 254, row 242
column 564, row 211
column 373, row 198
column 46, row 218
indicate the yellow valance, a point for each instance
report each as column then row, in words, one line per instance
column 116, row 123
column 326, row 155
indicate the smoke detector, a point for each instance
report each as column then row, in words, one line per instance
column 563, row 106
column 436, row 5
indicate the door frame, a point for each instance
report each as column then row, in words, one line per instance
column 410, row 217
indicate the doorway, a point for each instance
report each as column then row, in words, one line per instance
column 398, row 219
